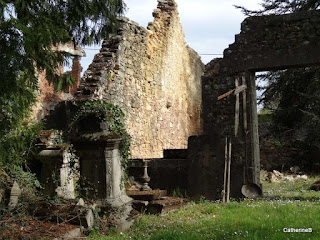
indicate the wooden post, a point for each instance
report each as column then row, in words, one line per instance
column 229, row 169
column 253, row 128
column 244, row 106
column 237, row 110
column 225, row 171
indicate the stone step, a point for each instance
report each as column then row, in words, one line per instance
column 161, row 206
column 147, row 195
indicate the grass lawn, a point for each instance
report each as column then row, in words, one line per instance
column 285, row 205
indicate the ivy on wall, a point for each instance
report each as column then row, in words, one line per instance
column 113, row 116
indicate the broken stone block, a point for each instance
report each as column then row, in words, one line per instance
column 81, row 202
column 278, row 174
column 272, row 178
column 87, row 221
column 288, row 178
column 263, row 175
column 14, row 195
column 304, row 177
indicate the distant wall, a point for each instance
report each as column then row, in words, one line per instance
column 154, row 77
column 47, row 96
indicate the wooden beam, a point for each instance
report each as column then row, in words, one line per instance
column 237, row 108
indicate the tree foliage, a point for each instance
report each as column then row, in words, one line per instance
column 281, row 7
column 294, row 98
column 29, row 31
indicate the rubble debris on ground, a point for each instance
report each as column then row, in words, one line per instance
column 277, row 177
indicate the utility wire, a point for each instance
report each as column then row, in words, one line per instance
column 211, row 54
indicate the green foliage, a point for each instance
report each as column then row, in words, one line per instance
column 282, row 6
column 29, row 32
column 17, row 146
column 293, row 97
column 178, row 192
column 64, row 82
column 25, row 179
column 111, row 114
column 265, row 116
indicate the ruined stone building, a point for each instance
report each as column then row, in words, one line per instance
column 48, row 98
column 154, row 77
column 171, row 100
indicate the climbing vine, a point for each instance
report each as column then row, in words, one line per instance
column 111, row 114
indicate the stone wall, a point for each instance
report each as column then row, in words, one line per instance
column 275, row 42
column 154, row 77
column 265, row 43
column 47, row 97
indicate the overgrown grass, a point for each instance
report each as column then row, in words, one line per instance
column 287, row 205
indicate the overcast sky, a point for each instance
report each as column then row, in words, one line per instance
column 209, row 25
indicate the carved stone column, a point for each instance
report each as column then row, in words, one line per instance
column 115, row 192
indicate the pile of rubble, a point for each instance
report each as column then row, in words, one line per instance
column 276, row 177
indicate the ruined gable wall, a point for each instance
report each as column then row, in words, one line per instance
column 154, row 77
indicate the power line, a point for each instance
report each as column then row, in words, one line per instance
column 211, row 54
column 204, row 54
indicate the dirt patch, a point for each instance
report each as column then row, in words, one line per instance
column 29, row 228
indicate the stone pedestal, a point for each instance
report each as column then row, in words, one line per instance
column 115, row 191
column 57, row 175
column 102, row 177
column 145, row 178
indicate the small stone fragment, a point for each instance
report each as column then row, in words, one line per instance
column 81, row 202
column 14, row 195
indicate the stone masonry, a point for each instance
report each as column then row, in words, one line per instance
column 273, row 42
column 154, row 77
column 47, row 97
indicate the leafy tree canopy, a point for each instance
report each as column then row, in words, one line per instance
column 28, row 32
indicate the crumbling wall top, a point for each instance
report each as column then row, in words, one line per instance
column 275, row 42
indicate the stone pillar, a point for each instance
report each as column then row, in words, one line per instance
column 253, row 141
column 101, row 170
column 115, row 191
column 102, row 175
column 57, row 176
